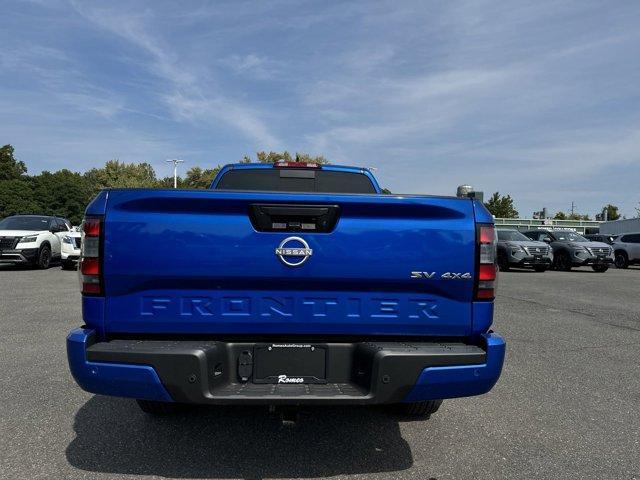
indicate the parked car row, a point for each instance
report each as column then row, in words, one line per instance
column 39, row 240
column 543, row 249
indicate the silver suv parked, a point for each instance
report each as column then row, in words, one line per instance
column 516, row 250
column 627, row 250
column 573, row 250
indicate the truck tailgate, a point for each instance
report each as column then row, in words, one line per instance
column 192, row 262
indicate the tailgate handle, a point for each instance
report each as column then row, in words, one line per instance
column 294, row 218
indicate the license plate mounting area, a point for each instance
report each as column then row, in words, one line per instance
column 290, row 363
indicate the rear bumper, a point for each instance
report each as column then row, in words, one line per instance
column 207, row 372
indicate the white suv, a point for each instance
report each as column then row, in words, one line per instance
column 70, row 253
column 626, row 249
column 33, row 239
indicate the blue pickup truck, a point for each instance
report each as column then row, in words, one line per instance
column 286, row 284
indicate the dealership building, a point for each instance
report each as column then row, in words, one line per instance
column 614, row 227
column 617, row 227
column 579, row 226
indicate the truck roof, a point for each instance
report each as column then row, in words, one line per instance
column 336, row 168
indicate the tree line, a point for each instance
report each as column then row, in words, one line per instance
column 67, row 193
column 502, row 206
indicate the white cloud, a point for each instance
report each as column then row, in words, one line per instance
column 254, row 66
column 446, row 84
column 192, row 94
column 61, row 78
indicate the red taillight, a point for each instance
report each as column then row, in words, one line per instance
column 90, row 266
column 487, row 234
column 296, row 165
column 90, row 259
column 91, row 227
column 487, row 270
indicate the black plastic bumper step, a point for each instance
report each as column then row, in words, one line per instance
column 220, row 372
column 250, row 390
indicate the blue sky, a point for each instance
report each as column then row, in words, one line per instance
column 537, row 99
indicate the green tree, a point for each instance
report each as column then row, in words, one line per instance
column 571, row 216
column 501, row 206
column 167, row 182
column 638, row 210
column 64, row 193
column 117, row 174
column 16, row 189
column 612, row 212
column 10, row 167
column 305, row 157
column 272, row 157
column 199, row 178
column 16, row 196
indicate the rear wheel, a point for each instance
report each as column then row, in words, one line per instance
column 540, row 268
column 503, row 263
column 68, row 265
column 600, row 268
column 44, row 258
column 563, row 262
column 157, row 408
column 622, row 260
column 421, row 409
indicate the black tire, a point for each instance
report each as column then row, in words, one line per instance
column 68, row 265
column 157, row 408
column 44, row 258
column 563, row 262
column 622, row 260
column 600, row 268
column 503, row 264
column 540, row 268
column 420, row 409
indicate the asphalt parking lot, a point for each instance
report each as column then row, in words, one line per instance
column 567, row 405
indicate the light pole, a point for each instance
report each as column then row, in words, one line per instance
column 175, row 162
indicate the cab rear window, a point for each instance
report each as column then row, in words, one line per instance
column 295, row 180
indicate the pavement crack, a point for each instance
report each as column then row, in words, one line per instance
column 596, row 347
column 546, row 305
column 592, row 316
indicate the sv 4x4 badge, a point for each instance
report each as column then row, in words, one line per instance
column 445, row 276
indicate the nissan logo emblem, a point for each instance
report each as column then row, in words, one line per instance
column 293, row 251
